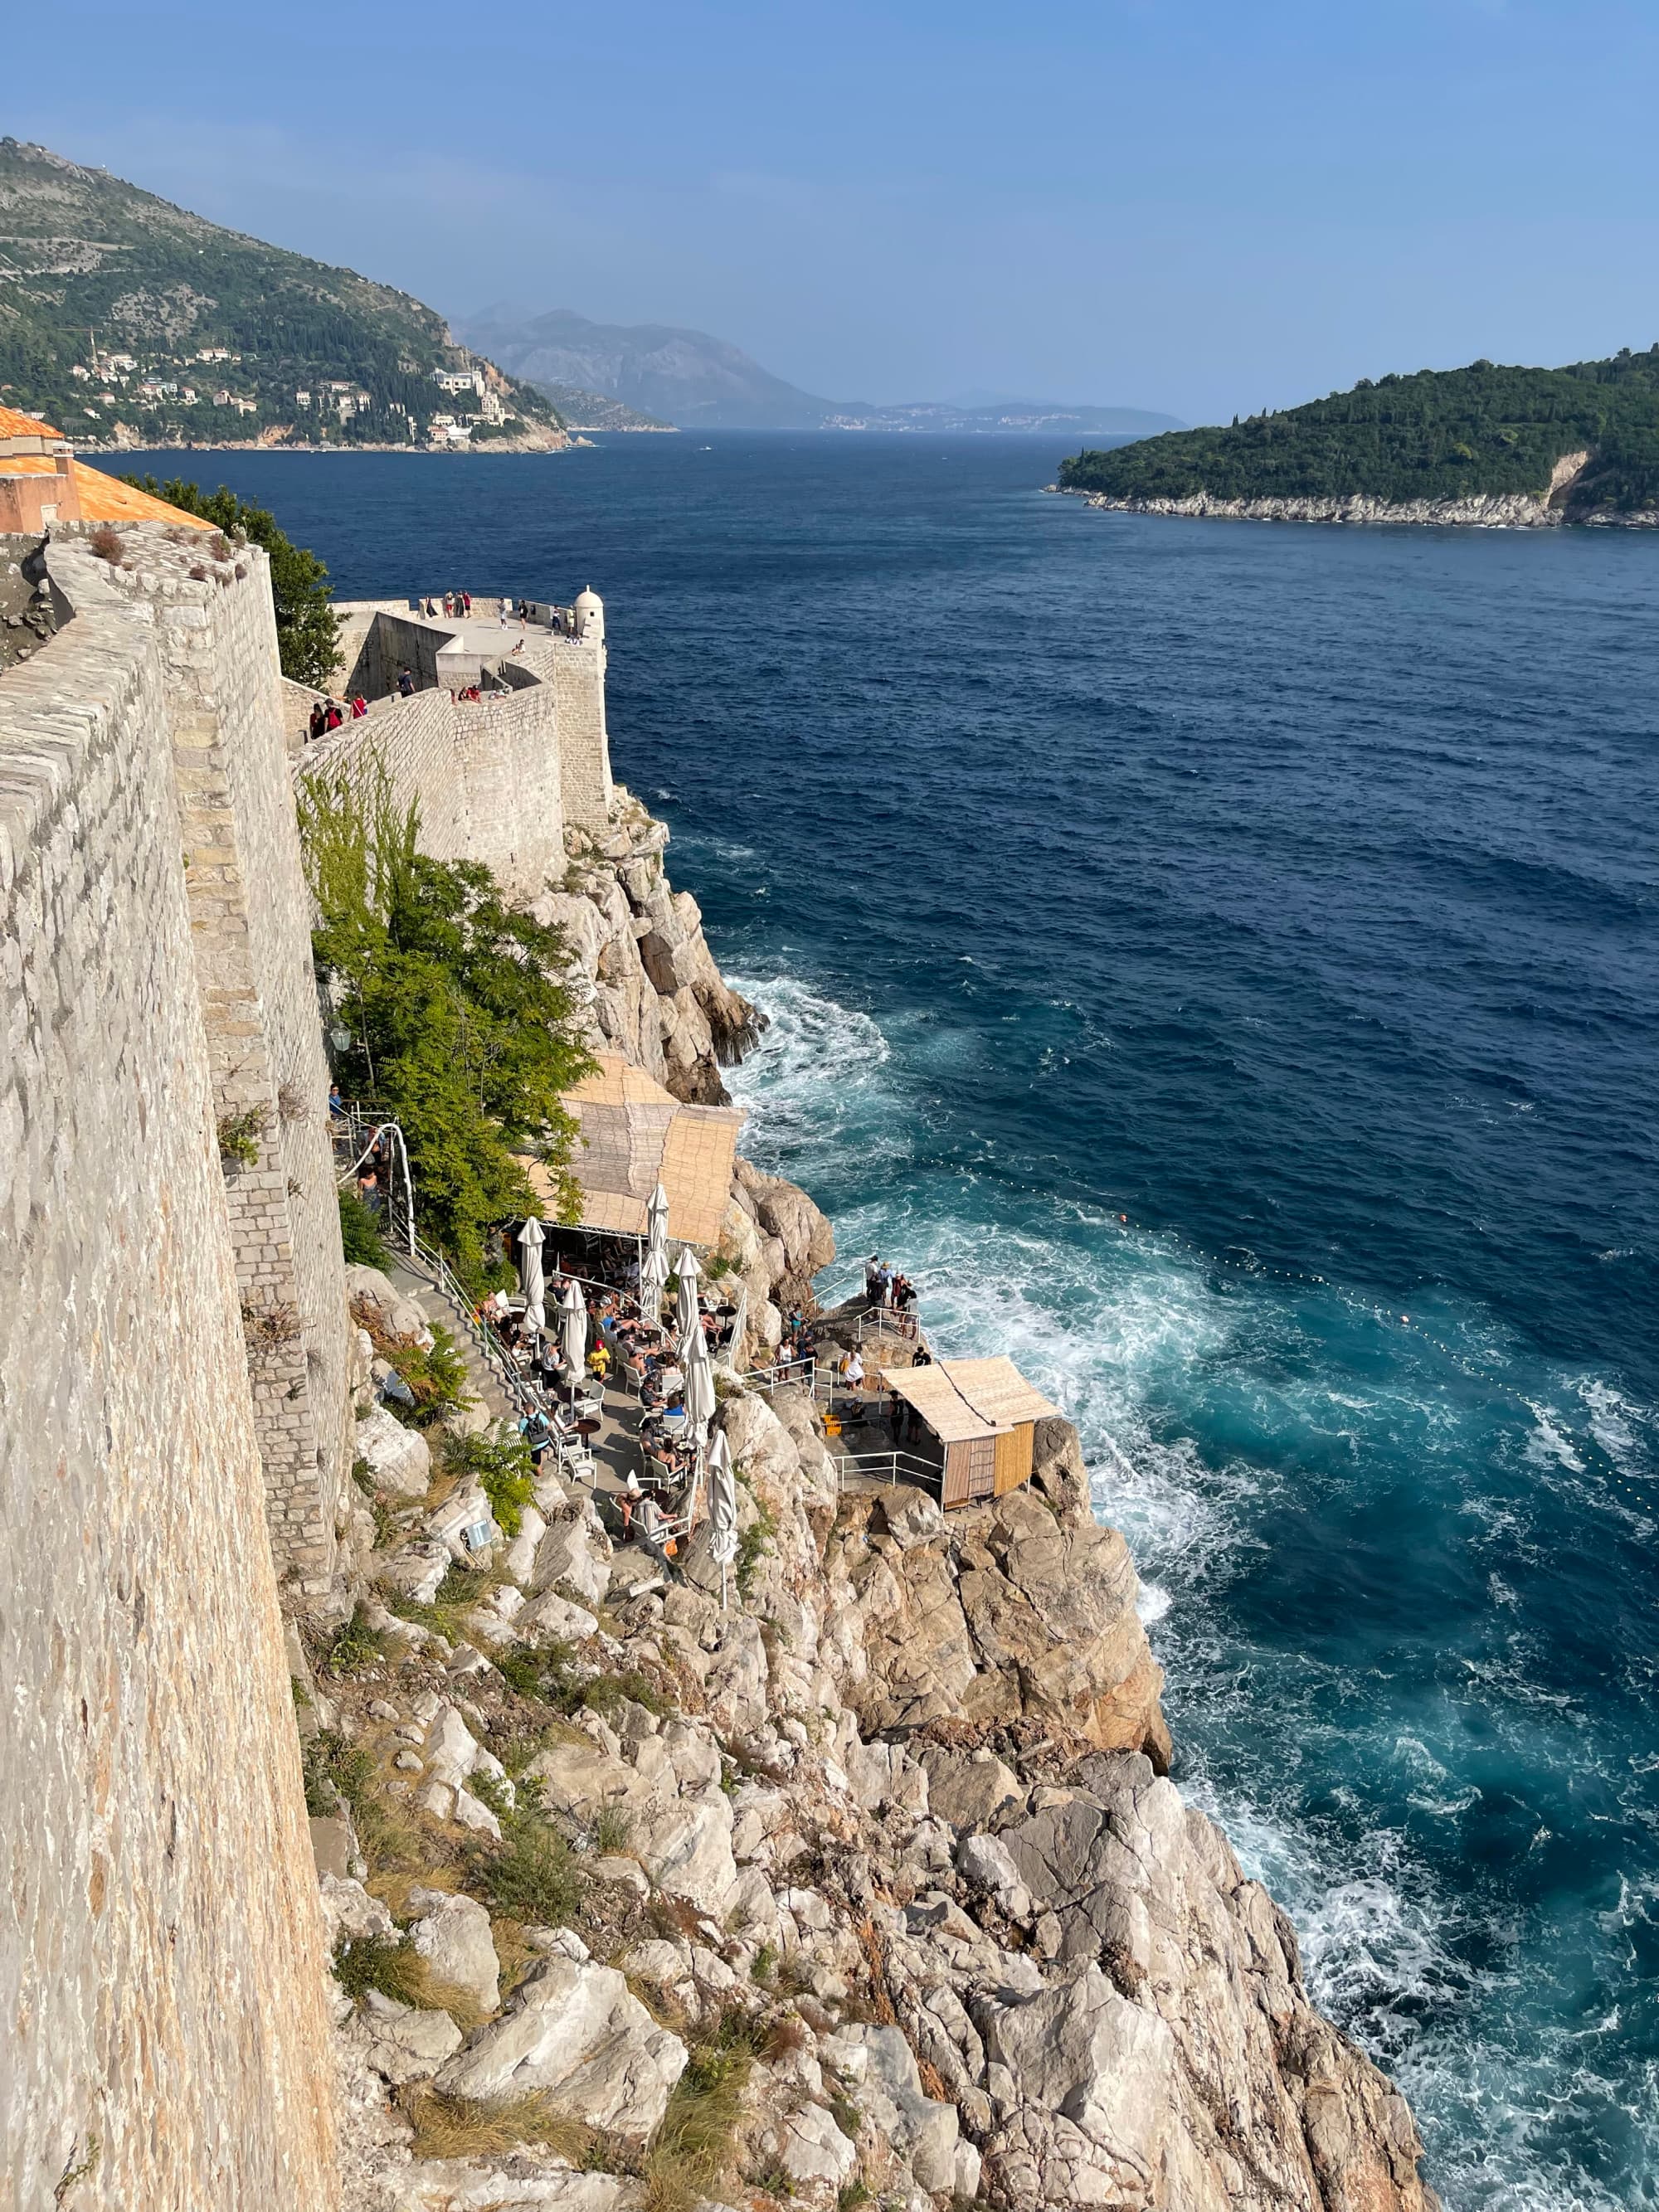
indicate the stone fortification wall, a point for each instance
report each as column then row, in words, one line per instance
column 250, row 929
column 486, row 776
column 391, row 642
column 584, row 741
column 159, row 1955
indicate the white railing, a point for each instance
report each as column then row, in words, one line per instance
column 780, row 1374
column 889, row 1467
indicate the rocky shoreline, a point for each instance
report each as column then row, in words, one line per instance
column 1493, row 511
column 871, row 1885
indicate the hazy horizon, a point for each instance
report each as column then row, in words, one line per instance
column 1101, row 206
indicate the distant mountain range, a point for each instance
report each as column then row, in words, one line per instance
column 697, row 382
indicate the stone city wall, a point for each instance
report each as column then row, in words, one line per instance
column 486, row 776
column 251, row 928
column 160, row 1973
column 578, row 666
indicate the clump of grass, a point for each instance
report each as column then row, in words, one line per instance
column 460, row 2127
column 694, row 2144
column 388, row 1964
column 106, row 543
column 531, row 1875
column 340, row 1774
column 764, row 1965
column 460, row 1590
column 846, row 2115
column 356, row 1646
column 611, row 1829
column 851, row 2195
column 752, row 1546
column 551, row 1673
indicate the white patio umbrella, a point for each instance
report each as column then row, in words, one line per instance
column 535, row 1317
column 688, row 1320
column 699, row 1383
column 572, row 1329
column 723, row 1507
column 739, row 1322
column 654, row 1268
column 532, row 1281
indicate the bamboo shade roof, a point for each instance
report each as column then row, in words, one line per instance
column 636, row 1134
column 961, row 1399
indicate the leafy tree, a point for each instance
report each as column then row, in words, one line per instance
column 307, row 627
column 462, row 1028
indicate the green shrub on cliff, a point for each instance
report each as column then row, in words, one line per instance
column 499, row 1460
column 360, row 1236
column 307, row 625
column 462, row 1030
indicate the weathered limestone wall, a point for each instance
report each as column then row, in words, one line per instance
column 487, row 777
column 251, row 933
column 160, row 1976
column 391, row 642
column 584, row 742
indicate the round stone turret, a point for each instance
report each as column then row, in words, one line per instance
column 589, row 611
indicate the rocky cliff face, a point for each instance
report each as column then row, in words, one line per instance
column 654, row 995
column 855, row 1873
column 653, row 992
column 882, row 1847
column 1491, row 511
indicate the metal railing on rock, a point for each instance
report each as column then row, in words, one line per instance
column 889, row 1466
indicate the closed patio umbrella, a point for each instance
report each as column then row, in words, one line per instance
column 532, row 1281
column 739, row 1322
column 655, row 1269
column 699, row 1383
column 723, row 1507
column 572, row 1329
column 688, row 1320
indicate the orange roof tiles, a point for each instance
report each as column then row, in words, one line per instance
column 103, row 499
column 14, row 424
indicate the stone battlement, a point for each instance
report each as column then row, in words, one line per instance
column 498, row 779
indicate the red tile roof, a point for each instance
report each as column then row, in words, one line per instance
column 14, row 424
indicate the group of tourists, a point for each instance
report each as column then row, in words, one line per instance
column 888, row 1290
column 456, row 606
column 328, row 713
column 627, row 1355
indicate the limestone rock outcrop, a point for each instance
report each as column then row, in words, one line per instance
column 576, row 2034
column 653, row 989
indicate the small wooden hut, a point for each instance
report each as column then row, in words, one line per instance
column 982, row 1414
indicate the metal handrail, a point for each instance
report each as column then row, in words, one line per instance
column 892, row 1465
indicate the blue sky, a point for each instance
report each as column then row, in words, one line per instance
column 1202, row 208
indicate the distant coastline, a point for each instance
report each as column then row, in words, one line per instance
column 1486, row 511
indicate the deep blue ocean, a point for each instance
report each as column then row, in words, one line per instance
column 1220, row 963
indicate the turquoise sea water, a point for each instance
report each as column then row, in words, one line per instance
column 1218, row 962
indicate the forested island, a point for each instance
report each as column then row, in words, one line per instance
column 1579, row 444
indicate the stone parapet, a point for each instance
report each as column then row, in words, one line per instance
column 161, row 1966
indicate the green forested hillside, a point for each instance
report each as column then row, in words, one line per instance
column 1440, row 435
column 116, row 307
